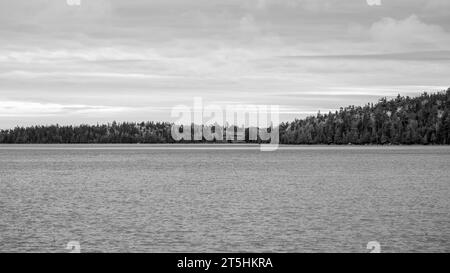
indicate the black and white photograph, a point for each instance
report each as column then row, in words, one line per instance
column 224, row 126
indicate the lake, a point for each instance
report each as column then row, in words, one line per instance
column 210, row 198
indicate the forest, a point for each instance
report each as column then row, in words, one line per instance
column 403, row 120
column 420, row 120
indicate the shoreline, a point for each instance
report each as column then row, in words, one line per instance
column 203, row 146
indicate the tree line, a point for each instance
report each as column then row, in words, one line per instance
column 420, row 120
column 145, row 132
column 404, row 120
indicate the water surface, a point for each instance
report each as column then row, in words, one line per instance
column 119, row 198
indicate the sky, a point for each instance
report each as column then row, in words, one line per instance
column 135, row 60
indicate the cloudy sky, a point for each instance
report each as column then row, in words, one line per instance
column 134, row 60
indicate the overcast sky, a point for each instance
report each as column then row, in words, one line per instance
column 134, row 60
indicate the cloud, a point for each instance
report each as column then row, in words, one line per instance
column 409, row 34
column 33, row 109
column 247, row 24
column 426, row 56
column 140, row 54
column 38, row 55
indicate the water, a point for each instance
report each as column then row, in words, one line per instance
column 155, row 199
